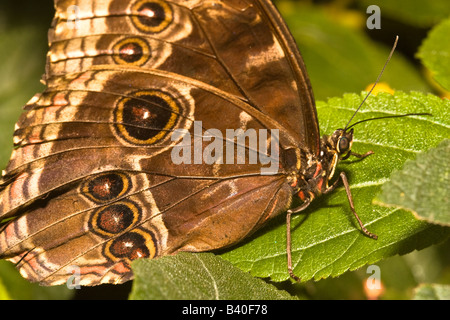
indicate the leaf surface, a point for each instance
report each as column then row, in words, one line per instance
column 430, row 172
column 434, row 53
column 197, row 276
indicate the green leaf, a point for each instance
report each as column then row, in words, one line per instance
column 18, row 288
column 197, row 276
column 432, row 292
column 326, row 239
column 422, row 186
column 434, row 53
column 4, row 295
column 341, row 59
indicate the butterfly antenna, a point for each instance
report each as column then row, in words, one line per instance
column 376, row 82
column 389, row 117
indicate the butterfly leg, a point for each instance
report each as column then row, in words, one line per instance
column 358, row 155
column 288, row 237
column 350, row 200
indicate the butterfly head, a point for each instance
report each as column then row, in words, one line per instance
column 340, row 142
column 334, row 148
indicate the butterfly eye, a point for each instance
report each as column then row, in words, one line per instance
column 344, row 145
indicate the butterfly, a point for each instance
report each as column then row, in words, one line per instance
column 165, row 126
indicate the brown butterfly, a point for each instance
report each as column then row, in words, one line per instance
column 123, row 155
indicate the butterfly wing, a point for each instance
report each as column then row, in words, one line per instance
column 92, row 183
column 242, row 47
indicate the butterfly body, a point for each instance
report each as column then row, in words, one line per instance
column 92, row 181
